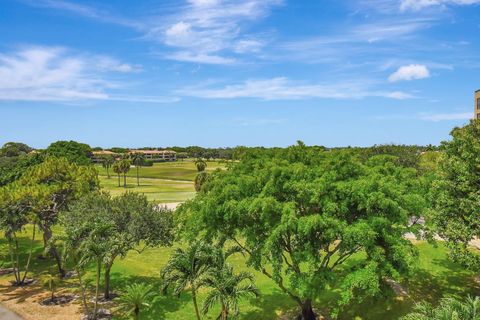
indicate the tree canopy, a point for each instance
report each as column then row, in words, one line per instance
column 302, row 213
column 456, row 193
column 76, row 152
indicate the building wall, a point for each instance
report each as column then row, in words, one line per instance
column 477, row 104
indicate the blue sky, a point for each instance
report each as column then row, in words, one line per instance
column 226, row 73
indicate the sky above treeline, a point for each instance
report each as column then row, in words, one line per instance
column 224, row 73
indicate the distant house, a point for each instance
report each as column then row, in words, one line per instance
column 164, row 155
column 97, row 156
column 152, row 155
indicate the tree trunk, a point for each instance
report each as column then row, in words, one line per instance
column 108, row 173
column 12, row 257
column 106, row 292
column 47, row 235
column 97, row 287
column 29, row 253
column 138, row 183
column 307, row 311
column 195, row 304
column 84, row 294
column 124, row 180
column 137, row 313
column 118, row 179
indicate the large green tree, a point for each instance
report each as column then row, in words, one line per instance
column 301, row 214
column 15, row 214
column 76, row 152
column 55, row 183
column 456, row 195
column 138, row 224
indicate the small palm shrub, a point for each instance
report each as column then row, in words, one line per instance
column 136, row 297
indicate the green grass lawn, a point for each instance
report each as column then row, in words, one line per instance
column 177, row 170
column 158, row 190
column 435, row 277
column 163, row 182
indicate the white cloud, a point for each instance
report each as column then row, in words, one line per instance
column 446, row 116
column 57, row 74
column 281, row 88
column 210, row 28
column 410, row 72
column 187, row 56
column 416, row 5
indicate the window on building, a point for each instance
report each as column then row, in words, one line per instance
column 478, row 116
column 478, row 103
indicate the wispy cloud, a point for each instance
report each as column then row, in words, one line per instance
column 445, row 116
column 255, row 122
column 209, row 31
column 281, row 88
column 87, row 11
column 416, row 5
column 410, row 72
column 57, row 74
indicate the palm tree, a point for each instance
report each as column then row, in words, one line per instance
column 186, row 268
column 201, row 164
column 117, row 168
column 50, row 282
column 107, row 162
column 125, row 167
column 138, row 159
column 200, row 179
column 448, row 309
column 227, row 290
column 138, row 296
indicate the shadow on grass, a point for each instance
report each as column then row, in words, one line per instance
column 268, row 306
column 161, row 305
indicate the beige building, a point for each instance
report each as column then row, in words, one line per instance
column 477, row 104
column 154, row 155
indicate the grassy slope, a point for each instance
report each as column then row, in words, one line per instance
column 163, row 182
column 178, row 170
column 436, row 276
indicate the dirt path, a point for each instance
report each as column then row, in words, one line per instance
column 6, row 314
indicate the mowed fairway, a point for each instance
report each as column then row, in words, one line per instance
column 163, row 182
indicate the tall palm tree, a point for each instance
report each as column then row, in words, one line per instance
column 228, row 288
column 138, row 159
column 138, row 296
column 117, row 168
column 125, row 167
column 186, row 268
column 448, row 309
column 107, row 162
column 200, row 164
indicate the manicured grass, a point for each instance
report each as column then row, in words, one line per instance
column 177, row 170
column 435, row 277
column 158, row 190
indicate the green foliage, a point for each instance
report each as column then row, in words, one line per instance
column 50, row 282
column 303, row 213
column 75, row 152
column 14, row 149
column 132, row 222
column 12, row 168
column 456, row 194
column 448, row 309
column 200, row 180
column 227, row 289
column 200, row 164
column 187, row 268
column 137, row 297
